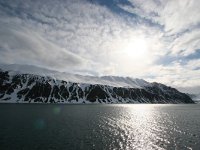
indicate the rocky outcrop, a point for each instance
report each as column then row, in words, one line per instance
column 28, row 88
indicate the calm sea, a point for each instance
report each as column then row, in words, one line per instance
column 99, row 127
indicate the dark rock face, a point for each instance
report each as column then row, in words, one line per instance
column 168, row 93
column 37, row 89
column 96, row 92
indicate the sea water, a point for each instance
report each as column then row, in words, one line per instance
column 99, row 127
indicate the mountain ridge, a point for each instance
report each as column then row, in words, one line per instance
column 29, row 88
column 116, row 81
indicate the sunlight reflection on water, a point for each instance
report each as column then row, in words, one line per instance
column 141, row 127
column 110, row 127
column 136, row 127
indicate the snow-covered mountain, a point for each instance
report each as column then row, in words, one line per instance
column 103, row 80
column 27, row 84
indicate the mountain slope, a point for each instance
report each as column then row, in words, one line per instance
column 28, row 88
column 104, row 80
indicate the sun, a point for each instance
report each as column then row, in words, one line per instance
column 136, row 49
column 132, row 54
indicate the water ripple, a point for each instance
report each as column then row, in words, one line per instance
column 110, row 127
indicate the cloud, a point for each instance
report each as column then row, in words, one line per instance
column 186, row 44
column 176, row 74
column 55, row 29
column 20, row 45
column 180, row 15
column 100, row 37
column 176, row 16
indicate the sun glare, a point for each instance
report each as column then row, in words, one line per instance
column 137, row 48
column 132, row 54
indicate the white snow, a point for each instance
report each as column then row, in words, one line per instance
column 114, row 81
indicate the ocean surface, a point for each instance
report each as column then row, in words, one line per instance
column 99, row 127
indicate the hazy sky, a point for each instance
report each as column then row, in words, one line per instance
column 157, row 40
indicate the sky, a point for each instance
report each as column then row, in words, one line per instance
column 156, row 40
